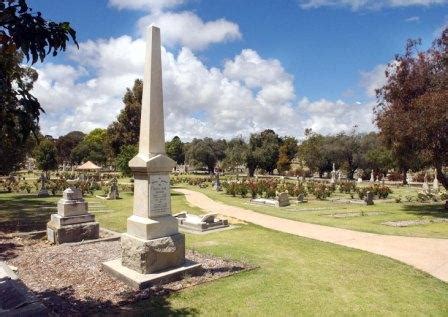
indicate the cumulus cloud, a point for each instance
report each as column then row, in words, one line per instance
column 368, row 4
column 187, row 29
column 248, row 94
column 373, row 79
column 327, row 116
column 150, row 5
column 180, row 28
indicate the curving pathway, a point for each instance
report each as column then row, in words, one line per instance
column 427, row 254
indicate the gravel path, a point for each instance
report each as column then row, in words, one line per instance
column 427, row 254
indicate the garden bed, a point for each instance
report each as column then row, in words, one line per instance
column 69, row 278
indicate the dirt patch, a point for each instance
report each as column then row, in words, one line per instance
column 354, row 214
column 69, row 278
column 409, row 223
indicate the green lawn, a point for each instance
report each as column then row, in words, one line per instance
column 21, row 212
column 295, row 276
column 320, row 212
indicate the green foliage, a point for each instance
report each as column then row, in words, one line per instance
column 205, row 152
column 125, row 130
column 91, row 148
column 283, row 163
column 45, row 155
column 175, row 150
column 65, row 145
column 19, row 110
column 264, row 150
column 287, row 151
column 23, row 33
column 122, row 160
column 380, row 191
column 313, row 152
column 347, row 187
column 322, row 191
column 235, row 153
column 30, row 32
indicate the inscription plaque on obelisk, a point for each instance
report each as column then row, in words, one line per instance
column 159, row 199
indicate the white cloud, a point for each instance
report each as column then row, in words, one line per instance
column 413, row 19
column 182, row 28
column 248, row 94
column 254, row 70
column 326, row 116
column 187, row 29
column 368, row 4
column 373, row 79
column 150, row 5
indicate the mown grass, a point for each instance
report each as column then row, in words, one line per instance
column 295, row 276
column 321, row 212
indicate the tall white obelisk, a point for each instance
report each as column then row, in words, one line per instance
column 152, row 243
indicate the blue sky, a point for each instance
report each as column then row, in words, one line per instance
column 313, row 60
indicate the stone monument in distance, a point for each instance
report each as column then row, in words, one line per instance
column 152, row 249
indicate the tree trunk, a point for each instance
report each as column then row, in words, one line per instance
column 443, row 180
column 405, row 172
column 251, row 172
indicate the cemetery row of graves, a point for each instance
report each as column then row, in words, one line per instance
column 416, row 210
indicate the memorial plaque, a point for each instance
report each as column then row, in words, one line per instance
column 159, row 195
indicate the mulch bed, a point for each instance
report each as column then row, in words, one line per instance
column 69, row 279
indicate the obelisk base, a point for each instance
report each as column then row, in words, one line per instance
column 73, row 232
column 140, row 281
column 149, row 256
column 147, row 262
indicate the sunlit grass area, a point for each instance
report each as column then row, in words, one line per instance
column 368, row 218
column 294, row 276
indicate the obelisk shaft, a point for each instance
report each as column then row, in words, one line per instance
column 152, row 133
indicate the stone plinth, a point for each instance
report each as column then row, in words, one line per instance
column 43, row 193
column 140, row 281
column 72, row 233
column 72, row 223
column 155, row 255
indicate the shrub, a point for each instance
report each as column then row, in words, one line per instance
column 347, row 187
column 395, row 177
column 380, row 191
column 322, row 191
column 423, row 198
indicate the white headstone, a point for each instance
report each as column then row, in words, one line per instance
column 425, row 187
column 333, row 174
column 435, row 184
